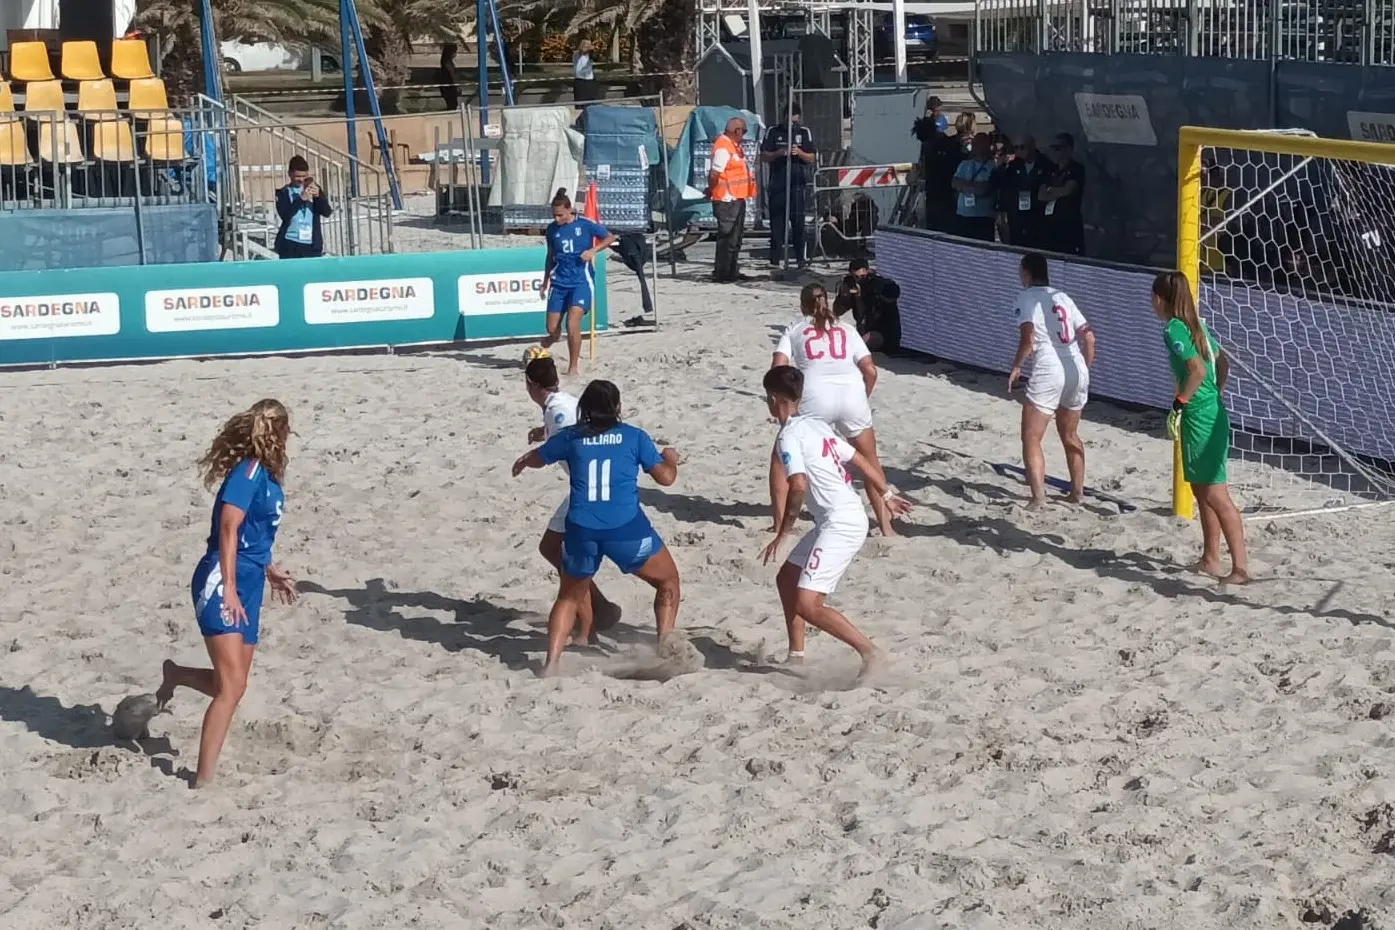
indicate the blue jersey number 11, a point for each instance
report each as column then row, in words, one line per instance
column 598, row 490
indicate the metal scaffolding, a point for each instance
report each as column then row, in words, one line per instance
column 1359, row 32
column 861, row 58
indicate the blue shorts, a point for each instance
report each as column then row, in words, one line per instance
column 562, row 297
column 582, row 553
column 207, row 589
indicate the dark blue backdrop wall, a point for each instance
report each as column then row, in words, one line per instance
column 1124, row 111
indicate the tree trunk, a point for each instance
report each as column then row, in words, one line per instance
column 182, row 64
column 389, row 57
column 669, row 41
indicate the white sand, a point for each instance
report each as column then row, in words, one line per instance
column 1076, row 734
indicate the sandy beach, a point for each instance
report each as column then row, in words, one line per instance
column 1075, row 733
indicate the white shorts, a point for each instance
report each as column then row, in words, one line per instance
column 558, row 523
column 1064, row 388
column 843, row 407
column 826, row 551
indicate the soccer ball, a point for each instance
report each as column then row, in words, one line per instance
column 533, row 352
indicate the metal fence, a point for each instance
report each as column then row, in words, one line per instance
column 1347, row 31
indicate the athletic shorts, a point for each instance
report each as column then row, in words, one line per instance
column 207, row 590
column 558, row 523
column 629, row 548
column 1064, row 388
column 1205, row 433
column 826, row 551
column 562, row 297
column 843, row 407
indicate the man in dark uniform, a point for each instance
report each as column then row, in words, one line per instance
column 1063, row 219
column 1022, row 179
column 939, row 157
column 790, row 153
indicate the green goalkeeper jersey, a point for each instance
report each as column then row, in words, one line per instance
column 1181, row 349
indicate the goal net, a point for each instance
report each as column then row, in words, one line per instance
column 1290, row 241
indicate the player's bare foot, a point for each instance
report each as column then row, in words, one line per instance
column 166, row 691
column 552, row 670
column 1210, row 567
column 873, row 664
column 1035, row 503
column 573, row 372
column 1236, row 576
column 794, row 659
column 1075, row 497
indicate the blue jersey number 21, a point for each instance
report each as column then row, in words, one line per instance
column 598, row 490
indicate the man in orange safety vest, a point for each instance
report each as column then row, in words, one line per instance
column 729, row 185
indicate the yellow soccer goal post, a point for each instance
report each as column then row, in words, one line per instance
column 1288, row 241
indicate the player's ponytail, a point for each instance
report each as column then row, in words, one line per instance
column 1173, row 289
column 813, row 303
column 598, row 410
column 259, row 432
column 560, row 199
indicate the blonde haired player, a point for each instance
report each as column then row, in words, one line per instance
column 559, row 412
column 1053, row 331
column 815, row 462
column 839, row 376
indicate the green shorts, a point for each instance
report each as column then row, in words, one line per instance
column 1205, row 443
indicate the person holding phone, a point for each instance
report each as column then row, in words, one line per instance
column 302, row 206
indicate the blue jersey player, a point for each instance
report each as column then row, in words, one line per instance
column 249, row 458
column 573, row 242
column 604, row 458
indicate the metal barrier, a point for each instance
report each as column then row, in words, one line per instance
column 845, row 217
column 1346, row 31
column 258, row 148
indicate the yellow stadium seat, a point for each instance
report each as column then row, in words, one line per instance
column 44, row 97
column 164, row 140
column 80, row 62
column 130, row 60
column 96, row 97
column 112, row 142
column 148, row 96
column 65, row 148
column 7, row 99
column 29, row 62
column 14, row 146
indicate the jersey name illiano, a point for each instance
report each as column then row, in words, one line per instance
column 607, row 439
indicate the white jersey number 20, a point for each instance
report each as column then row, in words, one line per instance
column 598, row 490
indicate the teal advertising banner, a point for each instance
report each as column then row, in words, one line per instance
column 266, row 307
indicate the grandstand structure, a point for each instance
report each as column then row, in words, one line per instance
column 91, row 128
column 1357, row 32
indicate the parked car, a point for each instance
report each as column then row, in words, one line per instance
column 263, row 56
column 922, row 38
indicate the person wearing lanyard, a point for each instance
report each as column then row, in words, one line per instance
column 1023, row 177
column 789, row 151
column 973, row 181
column 301, row 204
column 1063, row 221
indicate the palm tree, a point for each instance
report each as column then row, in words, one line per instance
column 293, row 23
column 668, row 40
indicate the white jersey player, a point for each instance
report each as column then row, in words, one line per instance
column 559, row 412
column 1055, row 334
column 815, row 461
column 839, row 376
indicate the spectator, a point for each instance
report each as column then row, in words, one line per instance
column 584, row 87
column 1023, row 177
column 939, row 155
column 1063, row 222
column 873, row 301
column 973, row 181
column 447, row 77
column 789, row 151
column 964, row 133
column 729, row 186
column 302, row 205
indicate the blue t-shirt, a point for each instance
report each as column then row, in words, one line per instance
column 604, row 473
column 979, row 205
column 565, row 243
column 250, row 488
column 301, row 228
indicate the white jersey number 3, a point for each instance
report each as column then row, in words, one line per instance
column 1063, row 317
column 598, row 490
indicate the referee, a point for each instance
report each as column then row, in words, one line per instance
column 789, row 151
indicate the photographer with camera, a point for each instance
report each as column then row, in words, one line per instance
column 873, row 301
column 302, row 205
